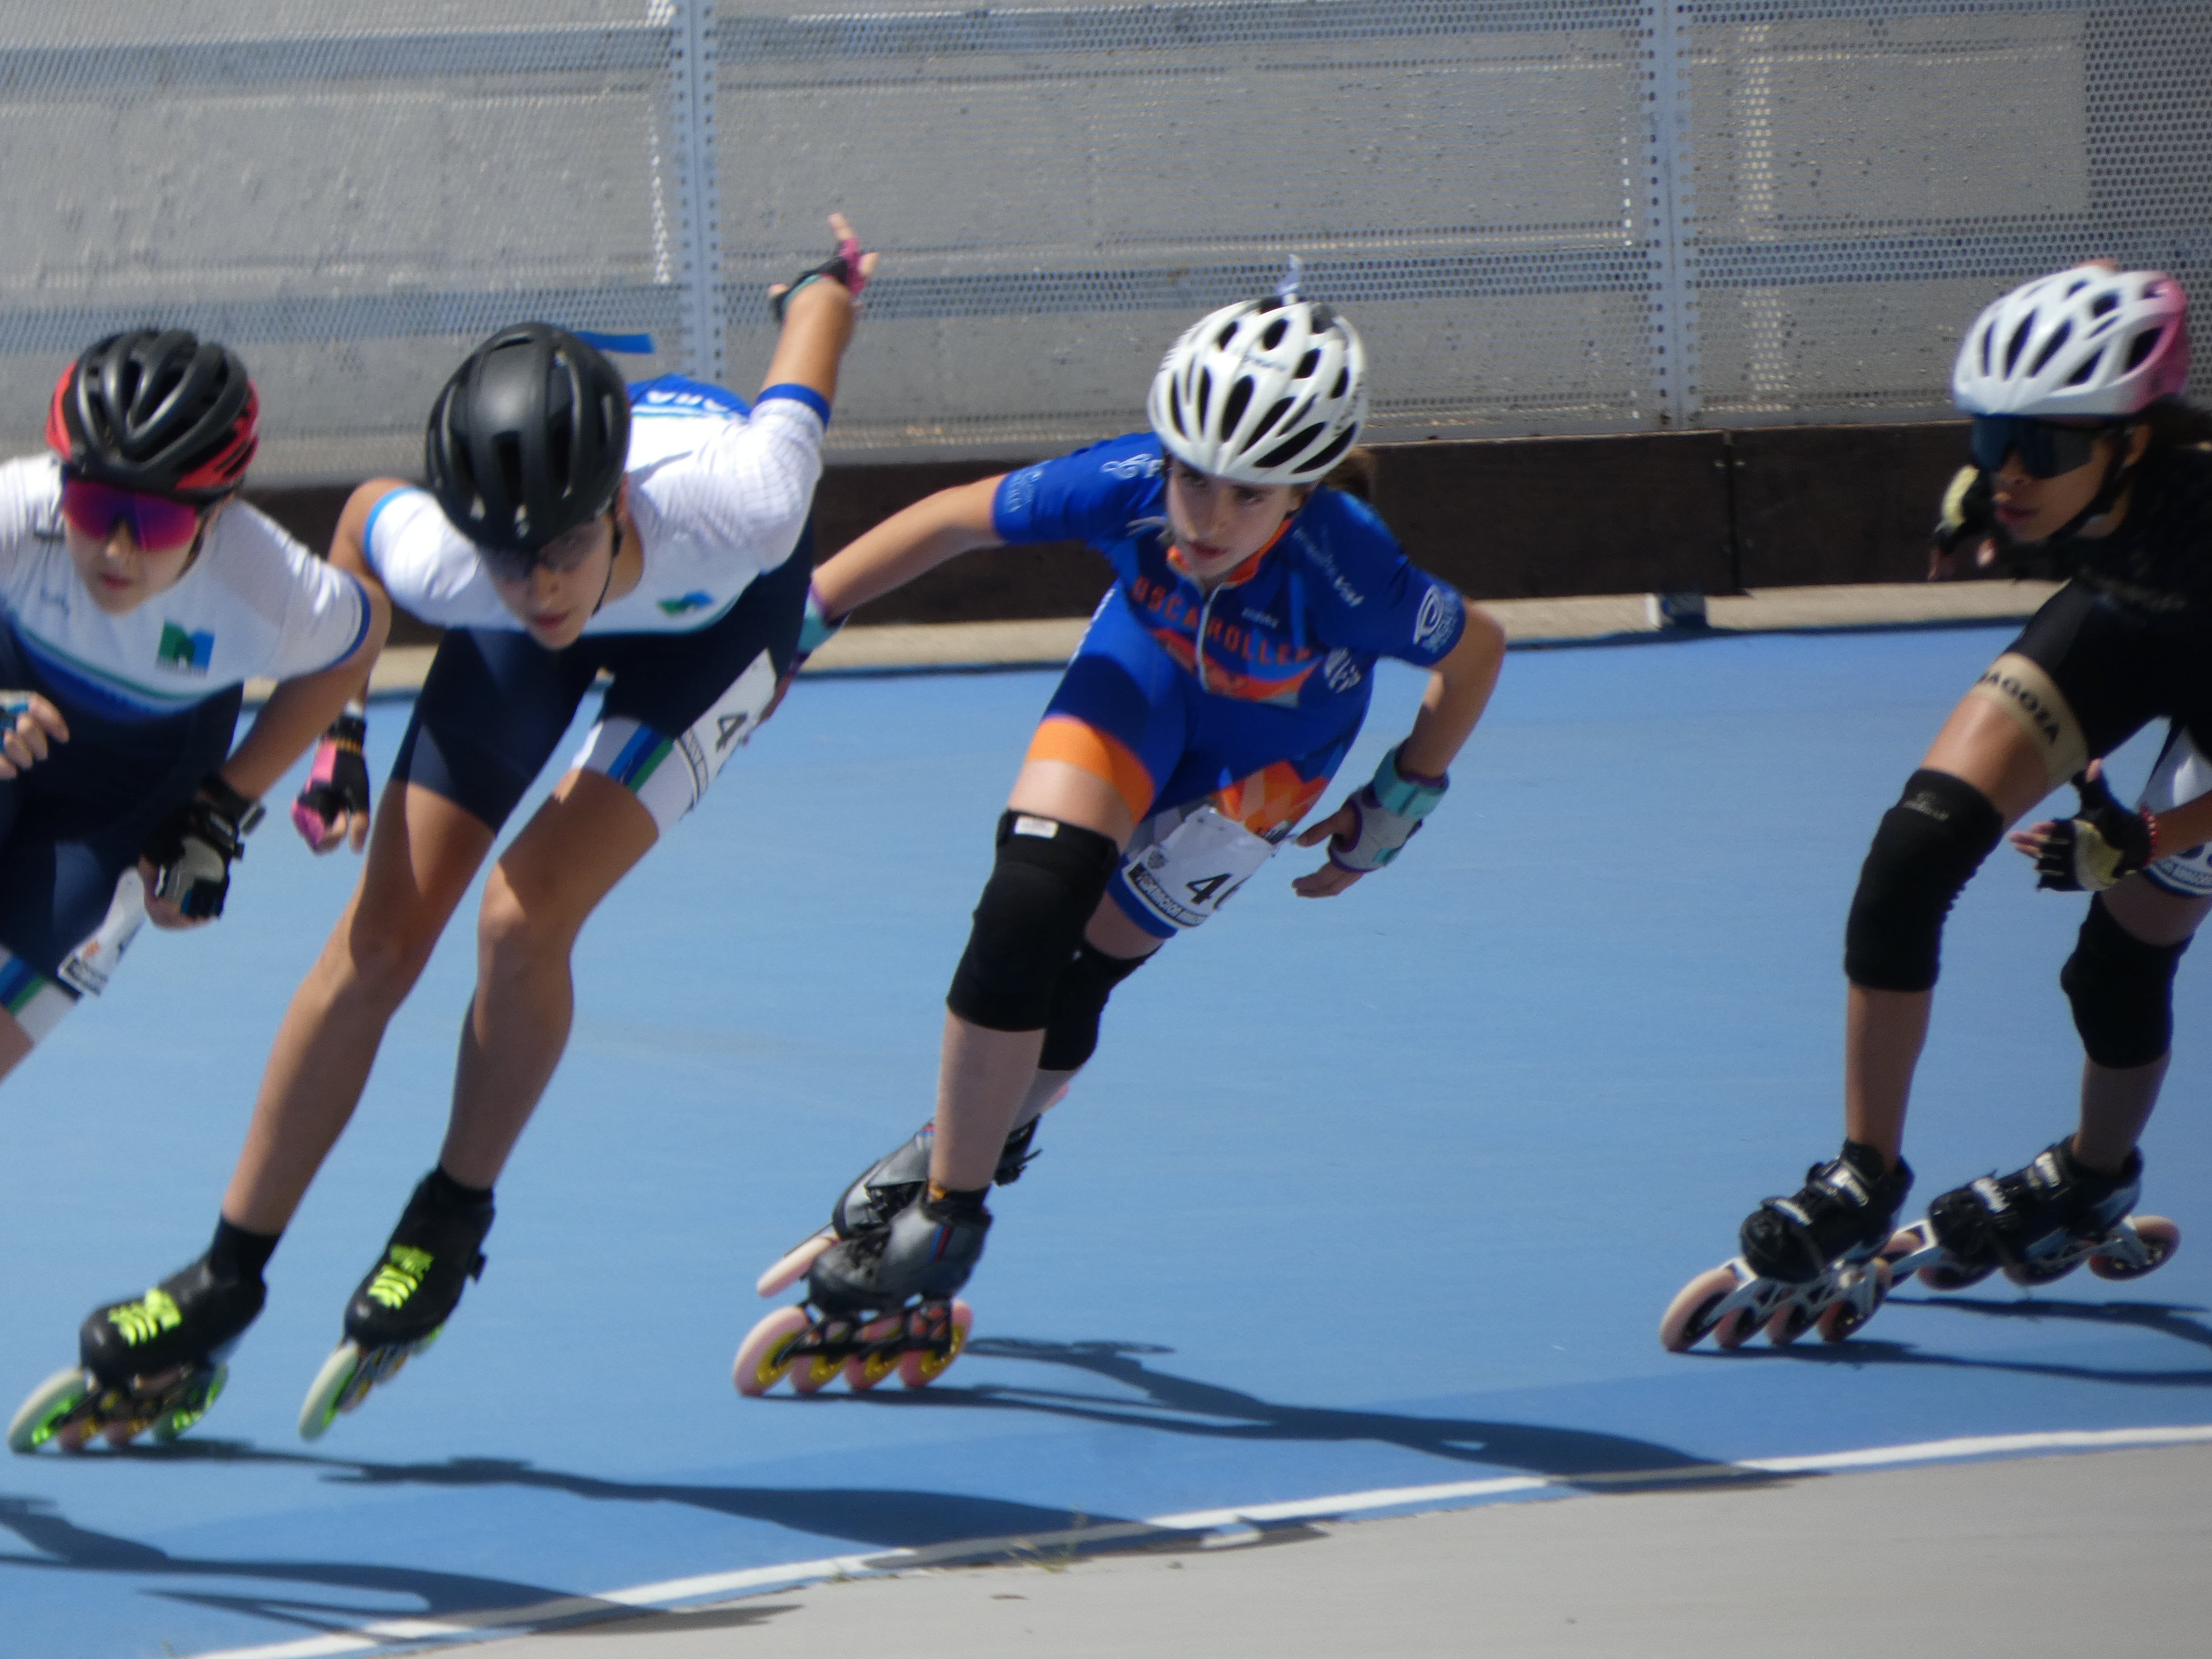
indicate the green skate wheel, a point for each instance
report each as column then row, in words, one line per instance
column 37, row 1419
column 327, row 1394
column 198, row 1400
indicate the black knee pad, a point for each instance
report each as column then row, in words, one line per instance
column 1929, row 845
column 1071, row 1035
column 2122, row 990
column 1048, row 879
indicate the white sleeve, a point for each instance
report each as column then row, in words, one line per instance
column 320, row 615
column 429, row 568
column 750, row 488
column 29, row 491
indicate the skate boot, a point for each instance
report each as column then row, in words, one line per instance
column 399, row 1309
column 1814, row 1260
column 879, row 1301
column 2038, row 1223
column 155, row 1363
column 889, row 1185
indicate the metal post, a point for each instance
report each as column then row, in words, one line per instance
column 1668, row 156
column 698, row 199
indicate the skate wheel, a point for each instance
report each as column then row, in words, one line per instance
column 864, row 1370
column 792, row 1265
column 198, row 1401
column 41, row 1415
column 1736, row 1328
column 2160, row 1237
column 1841, row 1317
column 326, row 1395
column 2031, row 1274
column 765, row 1354
column 922, row 1366
column 1787, row 1323
column 811, row 1373
column 1945, row 1276
column 1689, row 1316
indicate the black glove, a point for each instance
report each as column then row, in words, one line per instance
column 1968, row 516
column 191, row 849
column 339, row 782
column 2102, row 844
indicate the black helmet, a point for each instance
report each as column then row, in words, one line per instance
column 528, row 439
column 166, row 412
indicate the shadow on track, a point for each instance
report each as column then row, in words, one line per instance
column 1185, row 1406
column 2163, row 1319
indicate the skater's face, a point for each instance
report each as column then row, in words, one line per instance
column 116, row 570
column 1218, row 524
column 2032, row 509
column 554, row 593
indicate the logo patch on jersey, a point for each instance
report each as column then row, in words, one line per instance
column 189, row 652
column 1439, row 622
column 1134, row 466
column 1340, row 670
column 694, row 601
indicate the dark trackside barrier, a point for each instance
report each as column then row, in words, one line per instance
column 1530, row 518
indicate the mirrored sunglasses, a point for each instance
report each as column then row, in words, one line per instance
column 561, row 556
column 159, row 524
column 2046, row 450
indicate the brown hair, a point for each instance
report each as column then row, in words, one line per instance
column 1355, row 474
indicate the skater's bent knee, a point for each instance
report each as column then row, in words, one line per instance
column 1047, row 878
column 2122, row 992
column 515, row 932
column 1929, row 845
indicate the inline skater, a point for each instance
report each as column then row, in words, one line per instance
column 571, row 525
column 2083, row 453
column 140, row 594
column 1216, row 691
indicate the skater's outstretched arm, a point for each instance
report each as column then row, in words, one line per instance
column 911, row 543
column 1458, row 692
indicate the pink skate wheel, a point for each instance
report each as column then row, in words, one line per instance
column 921, row 1369
column 2159, row 1236
column 814, row 1373
column 792, row 1265
column 1839, row 1318
column 765, row 1354
column 1689, row 1316
column 864, row 1370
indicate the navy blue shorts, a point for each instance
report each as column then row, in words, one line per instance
column 74, row 822
column 497, row 702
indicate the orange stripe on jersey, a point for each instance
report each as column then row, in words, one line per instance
column 1271, row 799
column 1076, row 743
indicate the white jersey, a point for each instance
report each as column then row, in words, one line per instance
column 718, row 496
column 255, row 602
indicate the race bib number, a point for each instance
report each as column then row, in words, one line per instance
column 1188, row 873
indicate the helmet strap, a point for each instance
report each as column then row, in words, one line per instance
column 614, row 518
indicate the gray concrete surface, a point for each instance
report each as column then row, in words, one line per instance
column 2105, row 1553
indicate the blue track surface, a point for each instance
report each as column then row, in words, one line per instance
column 1382, row 1191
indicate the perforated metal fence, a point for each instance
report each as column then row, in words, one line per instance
column 1546, row 216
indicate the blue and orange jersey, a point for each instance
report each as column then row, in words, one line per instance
column 1298, row 625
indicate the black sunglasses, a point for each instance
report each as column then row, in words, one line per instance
column 2046, row 450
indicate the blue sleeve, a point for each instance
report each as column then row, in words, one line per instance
column 1377, row 599
column 1092, row 496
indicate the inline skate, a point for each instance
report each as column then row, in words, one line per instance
column 155, row 1364
column 1816, row 1261
column 398, row 1311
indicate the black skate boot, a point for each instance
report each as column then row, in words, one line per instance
column 895, row 1180
column 2041, row 1223
column 927, row 1250
column 154, row 1363
column 399, row 1309
column 1846, row 1211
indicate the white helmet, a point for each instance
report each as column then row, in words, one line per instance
column 1270, row 391
column 2089, row 341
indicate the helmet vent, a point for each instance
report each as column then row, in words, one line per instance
column 1282, row 408
column 2052, row 348
column 1271, row 336
column 1204, row 396
column 2015, row 346
column 2081, row 375
column 1283, row 453
column 1308, row 363
column 1337, row 445
column 1233, row 405
column 2103, row 305
column 2142, row 345
column 1343, row 379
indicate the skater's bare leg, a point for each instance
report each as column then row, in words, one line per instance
column 985, row 1079
column 1113, row 933
column 1885, row 1030
column 569, row 857
column 2117, row 1101
column 422, row 857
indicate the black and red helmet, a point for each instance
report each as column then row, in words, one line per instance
column 163, row 412
column 528, row 440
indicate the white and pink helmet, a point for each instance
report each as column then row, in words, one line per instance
column 2091, row 341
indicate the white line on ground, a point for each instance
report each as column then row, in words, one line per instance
column 729, row 1586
